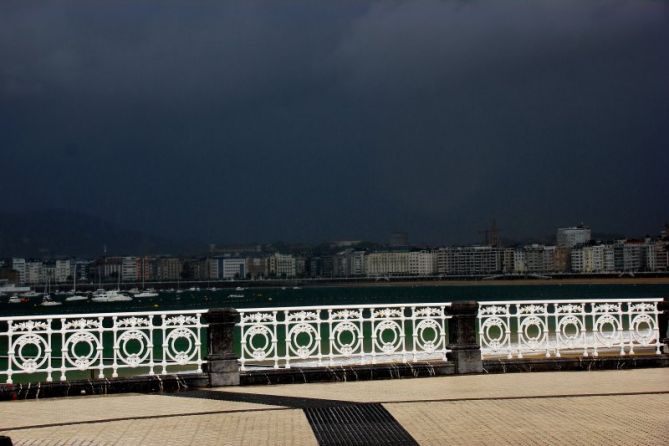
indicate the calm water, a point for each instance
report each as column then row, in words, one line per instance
column 268, row 297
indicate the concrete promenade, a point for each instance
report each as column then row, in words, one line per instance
column 578, row 408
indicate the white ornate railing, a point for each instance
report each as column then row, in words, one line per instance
column 64, row 344
column 342, row 334
column 580, row 326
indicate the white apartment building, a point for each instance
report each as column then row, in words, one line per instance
column 63, row 271
column 575, row 235
column 387, row 263
column 633, row 256
column 35, row 273
column 422, row 263
column 540, row 258
column 233, row 268
column 19, row 265
column 519, row 265
column 129, row 271
column 281, row 265
column 468, row 260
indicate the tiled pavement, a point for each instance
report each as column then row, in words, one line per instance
column 605, row 407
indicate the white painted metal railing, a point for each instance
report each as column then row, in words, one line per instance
column 342, row 334
column 103, row 343
column 587, row 326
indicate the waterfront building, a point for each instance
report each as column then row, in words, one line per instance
column 280, row 265
column 19, row 265
column 35, row 273
column 508, row 260
column 661, row 255
column 168, row 269
column 609, row 258
column 633, row 255
column 348, row 263
column 387, row 263
column 562, row 259
column 129, row 270
column 213, row 268
column 63, row 271
column 233, row 268
column 519, row 265
column 146, row 269
column 572, row 236
column 112, row 268
column 469, row 260
column 534, row 258
column 255, row 267
column 422, row 263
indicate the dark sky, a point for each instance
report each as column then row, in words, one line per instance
column 310, row 120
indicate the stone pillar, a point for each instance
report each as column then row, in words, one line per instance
column 222, row 365
column 465, row 351
column 663, row 322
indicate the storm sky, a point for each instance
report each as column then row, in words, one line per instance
column 304, row 120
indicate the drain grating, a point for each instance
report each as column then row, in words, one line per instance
column 356, row 424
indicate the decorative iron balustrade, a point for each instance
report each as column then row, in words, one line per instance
column 102, row 344
column 584, row 327
column 342, row 334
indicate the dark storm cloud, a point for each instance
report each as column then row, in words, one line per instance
column 309, row 120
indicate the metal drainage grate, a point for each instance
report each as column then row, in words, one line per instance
column 356, row 424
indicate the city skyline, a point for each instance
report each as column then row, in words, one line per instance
column 361, row 118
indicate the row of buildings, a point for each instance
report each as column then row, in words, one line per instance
column 574, row 252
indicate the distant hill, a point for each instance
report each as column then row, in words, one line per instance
column 67, row 233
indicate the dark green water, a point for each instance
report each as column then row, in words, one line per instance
column 272, row 297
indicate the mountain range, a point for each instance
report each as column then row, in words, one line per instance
column 52, row 233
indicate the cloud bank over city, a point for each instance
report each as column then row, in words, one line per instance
column 297, row 120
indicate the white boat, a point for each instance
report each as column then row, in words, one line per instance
column 147, row 293
column 47, row 301
column 179, row 291
column 31, row 293
column 235, row 296
column 111, row 296
column 75, row 298
column 239, row 288
column 73, row 293
column 134, row 291
column 194, row 288
column 15, row 299
column 212, row 289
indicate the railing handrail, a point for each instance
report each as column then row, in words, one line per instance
column 569, row 301
column 96, row 315
column 342, row 307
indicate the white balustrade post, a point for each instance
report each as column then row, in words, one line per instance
column 48, row 350
column 10, row 353
column 63, row 350
column 198, row 342
column 100, row 348
column 287, row 338
column 403, row 335
column 414, row 336
column 116, row 347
